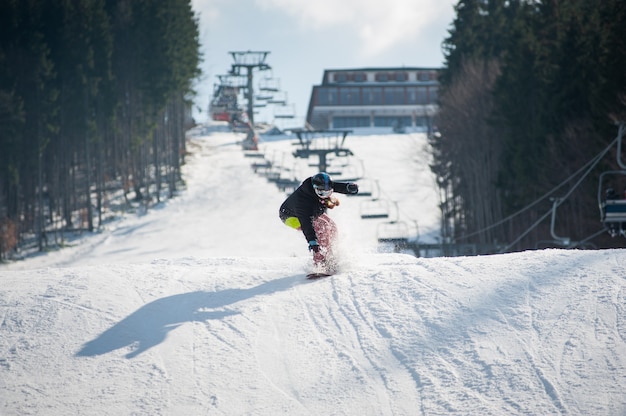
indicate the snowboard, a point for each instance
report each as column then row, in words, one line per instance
column 317, row 275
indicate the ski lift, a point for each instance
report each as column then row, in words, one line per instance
column 287, row 185
column 253, row 154
column 375, row 209
column 564, row 241
column 393, row 232
column 350, row 173
column 269, row 84
column 279, row 98
column 612, row 206
column 284, row 111
column 321, row 143
column 264, row 166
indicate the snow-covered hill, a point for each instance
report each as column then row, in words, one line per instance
column 200, row 307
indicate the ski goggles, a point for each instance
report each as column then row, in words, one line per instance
column 323, row 193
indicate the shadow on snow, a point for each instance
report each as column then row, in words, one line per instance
column 150, row 324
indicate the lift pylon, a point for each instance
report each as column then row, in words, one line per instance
column 249, row 60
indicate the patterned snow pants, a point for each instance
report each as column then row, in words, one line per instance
column 326, row 231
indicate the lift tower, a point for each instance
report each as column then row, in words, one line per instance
column 250, row 60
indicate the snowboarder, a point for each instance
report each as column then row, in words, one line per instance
column 305, row 210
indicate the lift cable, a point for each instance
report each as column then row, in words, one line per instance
column 591, row 164
column 594, row 235
column 595, row 161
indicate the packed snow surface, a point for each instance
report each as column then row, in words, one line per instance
column 200, row 307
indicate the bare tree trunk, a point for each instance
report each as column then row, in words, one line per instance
column 471, row 150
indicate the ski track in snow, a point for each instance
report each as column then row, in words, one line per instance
column 116, row 326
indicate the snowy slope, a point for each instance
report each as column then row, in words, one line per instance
column 200, row 307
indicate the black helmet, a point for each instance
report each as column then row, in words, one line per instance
column 322, row 184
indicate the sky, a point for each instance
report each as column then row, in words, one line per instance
column 200, row 306
column 306, row 37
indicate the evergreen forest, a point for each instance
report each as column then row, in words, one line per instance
column 532, row 97
column 95, row 97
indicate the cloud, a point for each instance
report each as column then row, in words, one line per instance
column 377, row 25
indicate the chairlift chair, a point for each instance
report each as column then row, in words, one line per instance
column 612, row 206
column 350, row 173
column 393, row 232
column 287, row 184
column 285, row 111
column 375, row 209
column 264, row 166
column 278, row 98
column 269, row 84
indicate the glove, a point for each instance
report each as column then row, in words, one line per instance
column 314, row 246
column 352, row 188
column 331, row 202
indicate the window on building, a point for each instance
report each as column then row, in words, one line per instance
column 411, row 95
column 372, row 96
column 382, row 77
column 360, row 77
column 421, row 121
column 422, row 95
column 401, row 76
column 348, row 122
column 349, row 96
column 390, row 121
column 433, row 95
column 423, row 76
column 394, row 96
column 341, row 77
column 327, row 96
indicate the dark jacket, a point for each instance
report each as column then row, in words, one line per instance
column 305, row 205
